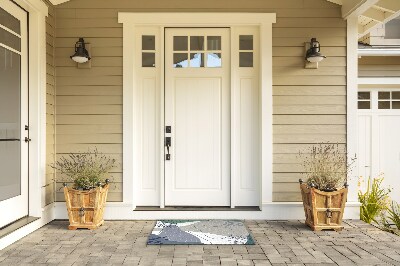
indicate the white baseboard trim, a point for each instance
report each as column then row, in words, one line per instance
column 47, row 216
column 270, row 211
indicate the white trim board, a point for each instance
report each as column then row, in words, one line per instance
column 270, row 211
column 132, row 127
column 379, row 80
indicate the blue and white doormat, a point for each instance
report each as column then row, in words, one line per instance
column 200, row 232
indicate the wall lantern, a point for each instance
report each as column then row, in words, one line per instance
column 313, row 55
column 81, row 54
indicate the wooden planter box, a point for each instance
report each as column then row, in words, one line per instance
column 85, row 207
column 323, row 210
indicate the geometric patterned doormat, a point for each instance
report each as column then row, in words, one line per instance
column 200, row 232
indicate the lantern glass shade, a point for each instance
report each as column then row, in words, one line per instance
column 313, row 54
column 81, row 54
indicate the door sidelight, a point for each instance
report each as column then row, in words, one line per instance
column 168, row 144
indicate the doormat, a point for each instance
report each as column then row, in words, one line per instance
column 200, row 232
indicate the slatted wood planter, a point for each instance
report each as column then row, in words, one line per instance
column 85, row 207
column 323, row 210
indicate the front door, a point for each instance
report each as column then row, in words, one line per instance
column 13, row 113
column 197, row 108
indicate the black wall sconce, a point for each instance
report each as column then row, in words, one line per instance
column 81, row 55
column 313, row 55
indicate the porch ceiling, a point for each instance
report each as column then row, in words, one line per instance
column 371, row 13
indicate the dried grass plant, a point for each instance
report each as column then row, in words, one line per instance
column 325, row 166
column 86, row 170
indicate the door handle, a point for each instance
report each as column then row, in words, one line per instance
column 168, row 144
column 27, row 139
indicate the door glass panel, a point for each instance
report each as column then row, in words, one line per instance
column 364, row 105
column 364, row 95
column 148, row 59
column 10, row 39
column 396, row 95
column 148, row 42
column 246, row 42
column 197, row 43
column 7, row 20
column 384, row 95
column 396, row 105
column 180, row 43
column 246, row 59
column 10, row 121
column 180, row 60
column 197, row 60
column 214, row 43
column 214, row 60
column 384, row 105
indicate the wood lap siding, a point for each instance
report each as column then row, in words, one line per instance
column 309, row 104
column 48, row 188
column 379, row 66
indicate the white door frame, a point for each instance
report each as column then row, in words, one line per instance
column 131, row 124
column 37, row 12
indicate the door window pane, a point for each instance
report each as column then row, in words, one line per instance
column 148, row 42
column 396, row 105
column 180, row 60
column 7, row 20
column 246, row 42
column 384, row 95
column 364, row 105
column 180, row 43
column 364, row 95
column 214, row 60
column 214, row 43
column 396, row 95
column 10, row 124
column 197, row 60
column 148, row 59
column 197, row 43
column 246, row 59
column 384, row 105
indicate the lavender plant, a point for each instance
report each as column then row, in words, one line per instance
column 325, row 166
column 86, row 170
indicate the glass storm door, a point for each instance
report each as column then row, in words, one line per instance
column 13, row 113
column 197, row 108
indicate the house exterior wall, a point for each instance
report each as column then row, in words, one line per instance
column 309, row 104
column 48, row 189
column 379, row 66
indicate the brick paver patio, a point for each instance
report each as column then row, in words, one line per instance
column 278, row 243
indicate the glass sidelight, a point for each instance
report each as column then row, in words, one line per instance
column 10, row 107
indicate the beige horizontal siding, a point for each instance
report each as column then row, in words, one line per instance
column 379, row 66
column 309, row 104
column 49, row 184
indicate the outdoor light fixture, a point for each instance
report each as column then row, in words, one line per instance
column 313, row 55
column 81, row 54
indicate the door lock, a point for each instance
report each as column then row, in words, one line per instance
column 168, row 144
column 27, row 139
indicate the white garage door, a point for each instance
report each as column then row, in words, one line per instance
column 379, row 136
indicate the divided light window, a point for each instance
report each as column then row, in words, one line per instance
column 148, row 51
column 389, row 100
column 197, row 51
column 246, row 50
column 364, row 100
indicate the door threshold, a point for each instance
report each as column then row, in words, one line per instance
column 196, row 208
column 8, row 229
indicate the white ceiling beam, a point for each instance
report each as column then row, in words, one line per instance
column 389, row 5
column 338, row 2
column 375, row 14
column 354, row 8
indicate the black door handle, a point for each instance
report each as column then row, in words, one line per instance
column 168, row 144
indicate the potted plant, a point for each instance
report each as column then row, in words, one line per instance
column 86, row 198
column 324, row 192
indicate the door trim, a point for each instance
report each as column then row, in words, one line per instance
column 132, row 128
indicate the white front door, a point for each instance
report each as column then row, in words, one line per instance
column 13, row 113
column 197, row 108
column 378, row 135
